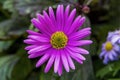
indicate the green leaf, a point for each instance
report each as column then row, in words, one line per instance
column 8, row 4
column 114, row 79
column 27, row 6
column 116, row 68
column 12, row 28
column 4, row 45
column 47, row 76
column 104, row 71
column 2, row 1
column 6, row 66
column 21, row 69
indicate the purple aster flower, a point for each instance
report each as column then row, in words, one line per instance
column 59, row 39
column 110, row 52
column 114, row 37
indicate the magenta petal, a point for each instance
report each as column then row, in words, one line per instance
column 52, row 15
column 74, row 25
column 49, row 23
column 34, row 55
column 74, row 56
column 78, row 50
column 64, row 61
column 71, row 64
column 62, row 17
column 30, row 32
column 78, row 60
column 58, row 17
column 39, row 38
column 79, row 43
column 39, row 48
column 30, row 41
column 50, row 62
column 67, row 10
column 57, row 61
column 79, row 35
column 83, row 51
column 43, row 25
column 81, row 21
column 60, row 69
column 70, row 19
column 86, row 29
column 30, row 47
column 43, row 60
column 72, row 15
column 77, row 24
column 36, row 23
column 79, row 56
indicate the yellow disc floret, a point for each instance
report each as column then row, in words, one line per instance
column 58, row 40
column 108, row 46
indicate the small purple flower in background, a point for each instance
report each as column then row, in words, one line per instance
column 114, row 37
column 110, row 52
column 59, row 39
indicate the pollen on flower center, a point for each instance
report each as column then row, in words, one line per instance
column 108, row 46
column 58, row 40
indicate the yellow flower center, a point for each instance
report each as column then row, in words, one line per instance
column 58, row 40
column 108, row 46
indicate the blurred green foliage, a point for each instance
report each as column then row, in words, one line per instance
column 15, row 18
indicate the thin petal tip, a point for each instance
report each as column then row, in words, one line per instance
column 28, row 31
column 90, row 41
column 74, row 10
column 87, row 52
column 29, row 52
column 59, row 74
column 45, row 71
column 29, row 56
column 26, row 48
column 38, row 14
column 73, row 68
column 37, row 65
column 67, row 70
column 25, row 41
